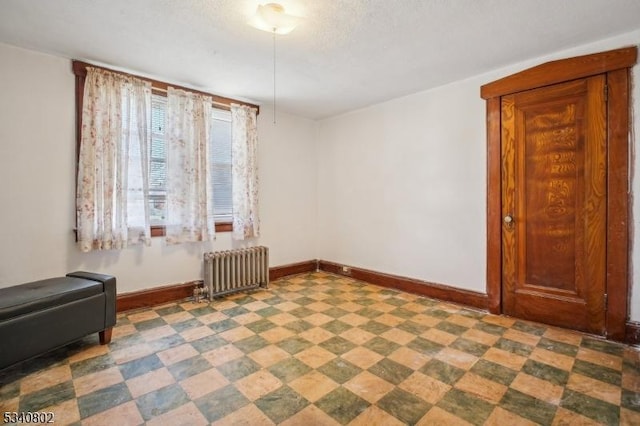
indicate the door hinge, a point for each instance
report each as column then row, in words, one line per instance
column 606, row 92
column 606, row 301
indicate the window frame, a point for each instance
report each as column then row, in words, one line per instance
column 157, row 88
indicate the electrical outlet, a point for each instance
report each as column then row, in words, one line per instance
column 346, row 270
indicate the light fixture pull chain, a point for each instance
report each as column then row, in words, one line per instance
column 274, row 76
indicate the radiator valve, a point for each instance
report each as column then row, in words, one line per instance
column 200, row 293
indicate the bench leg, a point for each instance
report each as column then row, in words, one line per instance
column 105, row 336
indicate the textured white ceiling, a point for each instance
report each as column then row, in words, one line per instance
column 346, row 54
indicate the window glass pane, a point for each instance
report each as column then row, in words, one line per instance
column 220, row 161
column 157, row 170
column 157, row 160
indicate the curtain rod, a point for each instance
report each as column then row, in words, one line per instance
column 80, row 69
column 226, row 105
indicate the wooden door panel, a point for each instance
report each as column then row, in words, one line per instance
column 550, row 193
column 554, row 186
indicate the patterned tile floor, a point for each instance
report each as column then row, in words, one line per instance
column 318, row 349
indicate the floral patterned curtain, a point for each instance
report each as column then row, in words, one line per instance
column 244, row 170
column 112, row 188
column 189, row 188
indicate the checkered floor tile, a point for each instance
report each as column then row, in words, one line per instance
column 319, row 349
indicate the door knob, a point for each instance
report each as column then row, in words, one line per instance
column 508, row 219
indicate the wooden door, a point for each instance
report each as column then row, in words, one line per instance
column 554, row 204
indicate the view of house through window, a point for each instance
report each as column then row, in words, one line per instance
column 220, row 152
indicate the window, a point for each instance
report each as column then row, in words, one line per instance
column 220, row 151
column 158, row 162
column 221, row 165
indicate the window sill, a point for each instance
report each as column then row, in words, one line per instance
column 158, row 231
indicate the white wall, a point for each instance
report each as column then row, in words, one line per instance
column 401, row 184
column 401, row 187
column 37, row 160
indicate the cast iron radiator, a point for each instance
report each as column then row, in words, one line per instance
column 235, row 270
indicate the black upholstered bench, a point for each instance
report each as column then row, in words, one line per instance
column 42, row 315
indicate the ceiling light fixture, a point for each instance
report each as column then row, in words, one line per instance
column 272, row 18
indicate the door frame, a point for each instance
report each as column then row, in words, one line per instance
column 616, row 66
